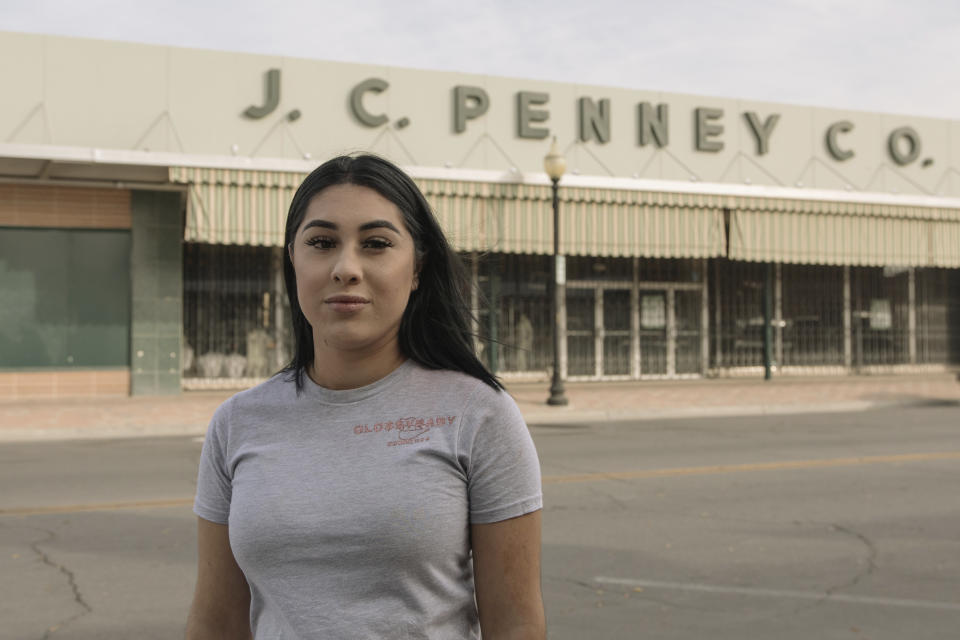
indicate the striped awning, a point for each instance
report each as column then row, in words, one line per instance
column 518, row 218
column 229, row 206
column 250, row 207
column 843, row 233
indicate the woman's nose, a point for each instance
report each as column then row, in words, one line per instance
column 347, row 268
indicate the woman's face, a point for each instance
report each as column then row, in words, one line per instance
column 355, row 267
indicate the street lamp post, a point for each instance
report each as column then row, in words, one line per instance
column 555, row 164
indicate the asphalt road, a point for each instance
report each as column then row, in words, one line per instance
column 787, row 527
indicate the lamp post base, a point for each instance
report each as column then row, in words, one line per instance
column 557, row 397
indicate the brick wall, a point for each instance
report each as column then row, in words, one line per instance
column 16, row 385
column 65, row 207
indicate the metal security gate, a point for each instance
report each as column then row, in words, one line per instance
column 671, row 330
column 599, row 343
column 617, row 345
column 617, row 331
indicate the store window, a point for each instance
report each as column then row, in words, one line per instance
column 880, row 310
column 64, row 298
column 812, row 315
column 235, row 313
column 514, row 312
column 737, row 313
column 937, row 311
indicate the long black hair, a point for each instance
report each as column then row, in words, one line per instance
column 435, row 327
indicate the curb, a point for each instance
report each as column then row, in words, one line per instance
column 534, row 416
column 571, row 415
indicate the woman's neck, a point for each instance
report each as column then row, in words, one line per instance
column 340, row 370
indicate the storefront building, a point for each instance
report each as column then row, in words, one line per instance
column 143, row 192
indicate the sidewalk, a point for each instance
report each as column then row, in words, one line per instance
column 189, row 413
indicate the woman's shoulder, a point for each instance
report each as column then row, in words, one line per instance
column 276, row 390
column 457, row 385
column 447, row 380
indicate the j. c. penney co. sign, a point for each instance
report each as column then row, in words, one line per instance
column 532, row 114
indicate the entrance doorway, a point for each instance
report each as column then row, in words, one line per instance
column 671, row 328
column 618, row 331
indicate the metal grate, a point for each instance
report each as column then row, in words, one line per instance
column 880, row 312
column 687, row 316
column 234, row 312
column 811, row 316
column 518, row 335
column 617, row 345
column 581, row 332
column 937, row 312
column 736, row 313
column 236, row 321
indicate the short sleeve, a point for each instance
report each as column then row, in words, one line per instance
column 214, row 484
column 503, row 472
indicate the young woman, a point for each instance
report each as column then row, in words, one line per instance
column 383, row 485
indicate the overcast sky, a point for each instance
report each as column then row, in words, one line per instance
column 893, row 56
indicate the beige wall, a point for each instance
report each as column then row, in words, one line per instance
column 87, row 93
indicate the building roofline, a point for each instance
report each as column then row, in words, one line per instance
column 95, row 156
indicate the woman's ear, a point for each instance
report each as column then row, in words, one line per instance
column 416, row 271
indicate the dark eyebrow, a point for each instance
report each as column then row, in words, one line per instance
column 326, row 224
column 374, row 224
column 379, row 224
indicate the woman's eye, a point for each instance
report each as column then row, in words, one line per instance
column 377, row 243
column 321, row 242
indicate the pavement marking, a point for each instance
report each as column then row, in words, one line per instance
column 780, row 593
column 756, row 466
column 103, row 506
column 584, row 477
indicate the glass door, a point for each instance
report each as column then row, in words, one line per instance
column 581, row 332
column 600, row 341
column 616, row 332
column 687, row 319
column 653, row 332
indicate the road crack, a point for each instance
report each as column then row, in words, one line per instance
column 871, row 559
column 71, row 581
column 620, row 505
column 871, row 566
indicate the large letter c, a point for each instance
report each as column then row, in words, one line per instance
column 375, row 85
column 838, row 127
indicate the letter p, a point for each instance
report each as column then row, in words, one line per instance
column 468, row 103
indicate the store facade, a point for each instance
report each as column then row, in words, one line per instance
column 143, row 192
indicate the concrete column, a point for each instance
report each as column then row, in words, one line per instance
column 778, row 315
column 717, row 317
column 912, row 314
column 600, row 333
column 156, row 267
column 704, row 320
column 635, row 321
column 847, row 334
column 671, row 333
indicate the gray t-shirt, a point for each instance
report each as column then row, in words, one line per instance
column 349, row 511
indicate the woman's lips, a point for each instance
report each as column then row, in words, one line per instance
column 346, row 304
